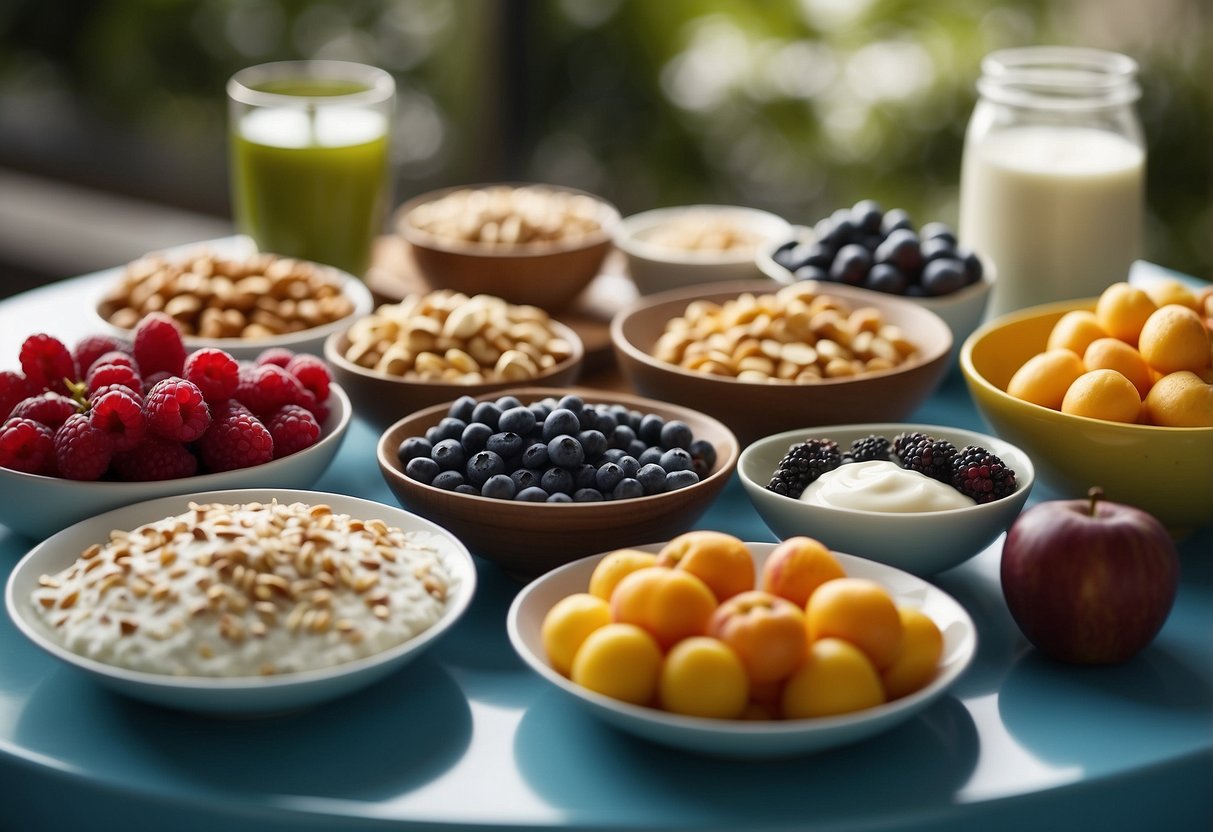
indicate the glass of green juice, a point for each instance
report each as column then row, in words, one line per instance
column 309, row 152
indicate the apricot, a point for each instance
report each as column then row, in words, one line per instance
column 859, row 611
column 615, row 567
column 568, row 623
column 766, row 632
column 796, row 567
column 702, row 676
column 1115, row 354
column 1180, row 400
column 1103, row 394
column 918, row 661
column 1169, row 290
column 835, row 678
column 621, row 661
column 1122, row 310
column 1075, row 331
column 669, row 604
column 1175, row 338
column 1044, row 378
column 720, row 560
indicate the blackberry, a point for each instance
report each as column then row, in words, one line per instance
column 802, row 464
column 981, row 475
column 869, row 448
column 925, row 455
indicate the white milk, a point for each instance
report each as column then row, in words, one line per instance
column 1058, row 210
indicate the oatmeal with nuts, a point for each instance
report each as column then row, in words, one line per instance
column 246, row 590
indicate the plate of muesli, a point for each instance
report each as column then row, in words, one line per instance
column 242, row 602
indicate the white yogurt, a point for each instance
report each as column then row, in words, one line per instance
column 879, row 485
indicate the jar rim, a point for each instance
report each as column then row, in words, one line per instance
column 1059, row 77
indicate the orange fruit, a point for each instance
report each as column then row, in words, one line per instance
column 1074, row 331
column 614, row 567
column 1103, row 394
column 1115, row 354
column 1122, row 311
column 1175, row 338
column 796, row 567
column 836, row 678
column 567, row 625
column 1044, row 378
column 703, row 677
column 859, row 611
column 669, row 604
column 621, row 661
column 720, row 560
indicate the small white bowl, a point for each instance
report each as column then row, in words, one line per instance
column 922, row 543
column 235, row 696
column 746, row 738
column 655, row 267
column 38, row 506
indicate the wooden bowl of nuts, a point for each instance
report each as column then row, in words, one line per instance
column 764, row 357
column 435, row 347
column 243, row 303
column 530, row 244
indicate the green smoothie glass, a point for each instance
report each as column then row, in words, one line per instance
column 309, row 158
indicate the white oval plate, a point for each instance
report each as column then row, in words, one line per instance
column 237, row 695
column 743, row 738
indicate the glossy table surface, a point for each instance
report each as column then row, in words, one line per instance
column 468, row 738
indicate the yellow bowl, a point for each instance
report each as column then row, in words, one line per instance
column 1165, row 471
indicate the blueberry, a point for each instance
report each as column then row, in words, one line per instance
column 559, row 497
column 650, row 456
column 845, row 231
column 784, row 255
column 651, row 478
column 508, row 402
column 943, row 276
column 627, row 489
column 622, row 437
column 815, row 254
column 451, row 428
column 585, row 476
column 973, row 266
column 851, row 264
column 588, row 418
column 587, row 495
column 483, row 465
column 607, row 477
column 559, row 422
column 938, row 231
column 462, row 408
column 534, row 494
column 676, row 459
column 901, row 249
column 606, row 422
column 571, row 402
column 487, row 412
column 566, row 451
column 467, row 488
column 519, row 420
column 592, row 442
column 885, row 277
column 431, row 434
column 414, row 447
column 811, row 273
column 680, row 479
column 867, row 214
column 676, row 434
column 505, row 444
column 636, row 447
column 611, row 455
column 628, row 465
column 499, row 487
column 936, row 248
column 540, row 410
column 703, row 457
column 557, row 479
column 894, row 219
column 423, row 469
column 650, row 428
column 524, row 478
column 448, row 454
column 635, row 417
column 448, row 480
column 536, row 457
column 475, row 437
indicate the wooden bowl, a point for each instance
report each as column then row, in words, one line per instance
column 756, row 409
column 527, row 539
column 547, row 275
column 381, row 398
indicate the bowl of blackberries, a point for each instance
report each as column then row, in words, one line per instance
column 923, row 498
column 883, row 251
column 532, row 478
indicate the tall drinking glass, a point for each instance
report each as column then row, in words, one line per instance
column 309, row 158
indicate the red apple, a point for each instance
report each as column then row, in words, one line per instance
column 1089, row 581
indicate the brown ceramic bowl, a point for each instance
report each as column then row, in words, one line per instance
column 527, row 539
column 381, row 398
column 755, row 409
column 544, row 274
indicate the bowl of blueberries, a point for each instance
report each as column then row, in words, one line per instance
column 532, row 478
column 869, row 247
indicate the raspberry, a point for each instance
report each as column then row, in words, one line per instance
column 109, row 375
column 275, row 355
column 871, row 447
column 14, row 388
column 81, row 451
column 47, row 363
column 106, row 388
column 921, row 453
column 264, row 388
column 293, row 428
column 119, row 413
column 91, row 347
column 27, row 446
column 120, row 357
column 155, row 459
column 175, row 409
column 236, row 439
column 158, row 346
column 312, row 373
column 50, row 409
column 215, row 373
column 152, row 380
column 981, row 475
column 803, row 463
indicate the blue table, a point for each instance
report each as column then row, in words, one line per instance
column 468, row 738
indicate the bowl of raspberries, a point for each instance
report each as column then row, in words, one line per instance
column 923, row 498
column 108, row 422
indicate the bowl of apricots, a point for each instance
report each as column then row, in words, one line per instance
column 749, row 650
column 1114, row 391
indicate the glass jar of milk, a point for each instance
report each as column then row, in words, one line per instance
column 1052, row 183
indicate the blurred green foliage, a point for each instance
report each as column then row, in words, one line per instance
column 799, row 106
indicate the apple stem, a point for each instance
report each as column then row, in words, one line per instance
column 1095, row 494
